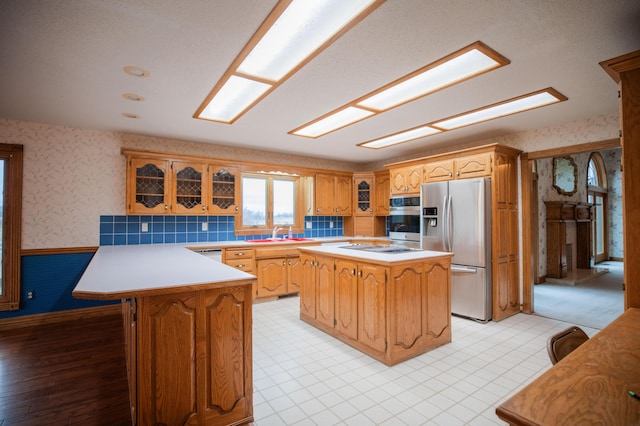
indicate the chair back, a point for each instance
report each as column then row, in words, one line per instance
column 563, row 343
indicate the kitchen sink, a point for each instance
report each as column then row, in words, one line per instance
column 278, row 240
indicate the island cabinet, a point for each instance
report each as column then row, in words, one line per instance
column 389, row 310
column 193, row 350
column 188, row 325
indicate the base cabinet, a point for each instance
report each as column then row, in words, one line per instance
column 194, row 357
column 391, row 313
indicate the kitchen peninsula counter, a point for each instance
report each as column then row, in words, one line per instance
column 392, row 307
column 188, row 323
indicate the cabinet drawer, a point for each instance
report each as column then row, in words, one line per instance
column 271, row 252
column 245, row 265
column 231, row 254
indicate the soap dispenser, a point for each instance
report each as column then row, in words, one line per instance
column 290, row 233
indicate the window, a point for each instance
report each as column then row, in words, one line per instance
column 597, row 195
column 11, row 219
column 269, row 201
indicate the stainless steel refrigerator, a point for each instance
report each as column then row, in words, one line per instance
column 456, row 217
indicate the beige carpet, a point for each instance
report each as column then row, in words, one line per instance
column 594, row 303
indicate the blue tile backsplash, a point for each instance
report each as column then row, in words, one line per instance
column 127, row 230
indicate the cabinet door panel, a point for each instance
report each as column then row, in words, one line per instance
column 308, row 287
column 188, row 188
column 438, row 302
column 406, row 301
column 325, row 291
column 229, row 380
column 474, row 166
column 414, row 179
column 343, row 194
column 294, row 279
column 372, row 306
column 272, row 277
column 439, row 171
column 148, row 186
column 167, row 367
column 382, row 194
column 346, row 299
column 224, row 190
column 324, row 194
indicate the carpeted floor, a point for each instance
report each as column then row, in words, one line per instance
column 594, row 303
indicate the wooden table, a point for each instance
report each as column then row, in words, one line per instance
column 589, row 386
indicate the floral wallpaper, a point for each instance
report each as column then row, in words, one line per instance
column 546, row 192
column 73, row 176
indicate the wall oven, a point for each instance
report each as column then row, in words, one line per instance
column 404, row 220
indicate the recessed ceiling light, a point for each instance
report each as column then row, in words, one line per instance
column 130, row 115
column 136, row 71
column 464, row 64
column 294, row 33
column 522, row 103
column 133, row 97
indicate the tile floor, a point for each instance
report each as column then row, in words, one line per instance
column 302, row 376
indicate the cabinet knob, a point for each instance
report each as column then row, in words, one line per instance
column 284, row 263
column 317, row 210
column 204, row 207
column 236, row 208
column 240, row 265
column 166, row 207
column 289, row 262
column 240, row 254
column 458, row 173
column 360, row 273
column 353, row 272
column 450, row 174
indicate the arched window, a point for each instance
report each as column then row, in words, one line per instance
column 596, row 172
column 597, row 195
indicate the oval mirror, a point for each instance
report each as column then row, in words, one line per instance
column 565, row 175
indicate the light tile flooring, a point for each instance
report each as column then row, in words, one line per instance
column 302, row 376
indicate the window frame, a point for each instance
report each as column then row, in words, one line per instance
column 298, row 225
column 12, row 226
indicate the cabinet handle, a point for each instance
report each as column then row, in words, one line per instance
column 289, row 262
column 240, row 254
column 204, row 207
column 353, row 272
column 236, row 208
column 450, row 174
column 317, row 210
column 166, row 207
column 284, row 263
column 458, row 173
column 240, row 265
column 360, row 273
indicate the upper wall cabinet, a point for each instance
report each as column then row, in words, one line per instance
column 406, row 180
column 328, row 195
column 156, row 186
column 382, row 193
column 478, row 165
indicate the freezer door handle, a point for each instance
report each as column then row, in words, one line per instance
column 450, row 229
column 464, row 269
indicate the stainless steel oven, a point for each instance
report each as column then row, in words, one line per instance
column 405, row 217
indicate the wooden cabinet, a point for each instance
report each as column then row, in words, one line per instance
column 162, row 186
column 478, row 165
column 363, row 194
column 392, row 313
column 318, row 288
column 148, row 186
column 382, row 193
column 406, row 180
column 194, row 357
column 367, row 217
column 279, row 271
column 499, row 163
column 224, row 193
column 331, row 195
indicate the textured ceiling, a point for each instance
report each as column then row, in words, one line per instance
column 62, row 63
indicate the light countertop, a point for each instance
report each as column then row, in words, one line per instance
column 118, row 272
column 382, row 258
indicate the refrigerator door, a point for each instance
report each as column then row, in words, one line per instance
column 434, row 197
column 471, row 221
column 470, row 292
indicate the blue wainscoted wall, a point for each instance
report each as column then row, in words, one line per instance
column 127, row 230
column 52, row 278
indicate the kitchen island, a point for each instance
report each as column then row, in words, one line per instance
column 187, row 332
column 391, row 305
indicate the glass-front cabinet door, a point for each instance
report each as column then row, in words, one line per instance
column 149, row 186
column 363, row 196
column 225, row 190
column 189, row 195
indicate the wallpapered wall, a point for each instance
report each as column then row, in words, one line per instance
column 73, row 176
column 546, row 192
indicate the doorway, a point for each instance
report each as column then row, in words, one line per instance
column 596, row 192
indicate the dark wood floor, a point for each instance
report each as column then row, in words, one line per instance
column 69, row 373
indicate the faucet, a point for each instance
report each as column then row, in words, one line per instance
column 274, row 234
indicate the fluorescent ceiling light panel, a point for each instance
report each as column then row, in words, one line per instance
column 302, row 29
column 397, row 138
column 446, row 74
column 524, row 103
column 332, row 122
column 527, row 102
column 464, row 64
column 235, row 96
column 294, row 33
